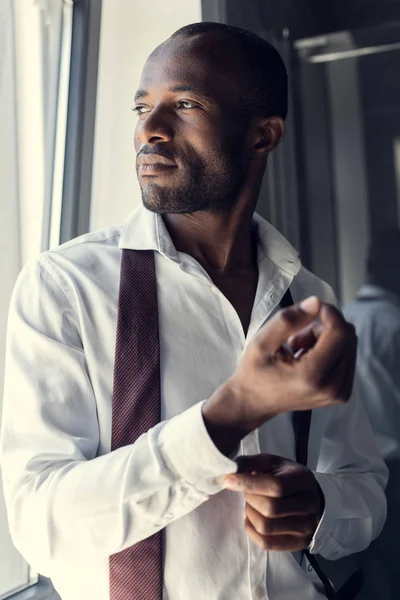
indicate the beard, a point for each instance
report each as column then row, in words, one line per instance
column 211, row 185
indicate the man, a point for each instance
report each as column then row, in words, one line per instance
column 376, row 315
column 211, row 107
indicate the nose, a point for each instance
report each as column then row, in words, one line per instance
column 155, row 128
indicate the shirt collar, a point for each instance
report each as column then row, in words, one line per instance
column 146, row 230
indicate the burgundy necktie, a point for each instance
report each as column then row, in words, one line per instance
column 136, row 573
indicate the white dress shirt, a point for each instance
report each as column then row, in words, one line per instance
column 71, row 502
column 376, row 316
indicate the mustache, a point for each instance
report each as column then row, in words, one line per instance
column 159, row 150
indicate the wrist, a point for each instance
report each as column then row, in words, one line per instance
column 229, row 418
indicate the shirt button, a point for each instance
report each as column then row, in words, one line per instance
column 273, row 296
column 215, row 290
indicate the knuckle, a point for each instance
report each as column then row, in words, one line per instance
column 286, row 316
column 263, row 526
column 305, row 528
column 277, row 488
column 247, row 483
column 269, row 508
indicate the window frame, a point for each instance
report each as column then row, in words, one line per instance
column 79, row 144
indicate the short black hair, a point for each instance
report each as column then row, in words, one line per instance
column 267, row 92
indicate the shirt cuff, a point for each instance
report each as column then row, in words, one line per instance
column 187, row 447
column 323, row 542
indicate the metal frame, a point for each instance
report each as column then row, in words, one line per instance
column 56, row 157
column 43, row 590
column 76, row 196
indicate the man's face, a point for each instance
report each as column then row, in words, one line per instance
column 190, row 135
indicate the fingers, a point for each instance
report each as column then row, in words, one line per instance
column 306, row 339
column 302, row 504
column 342, row 378
column 286, row 481
column 296, row 526
column 335, row 338
column 284, row 543
column 283, row 505
column 260, row 463
column 285, row 323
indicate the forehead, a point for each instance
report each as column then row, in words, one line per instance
column 205, row 66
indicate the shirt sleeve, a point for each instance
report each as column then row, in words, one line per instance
column 345, row 459
column 352, row 476
column 61, row 496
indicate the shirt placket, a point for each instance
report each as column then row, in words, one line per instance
column 257, row 558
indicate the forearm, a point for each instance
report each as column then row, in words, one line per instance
column 62, row 498
column 103, row 505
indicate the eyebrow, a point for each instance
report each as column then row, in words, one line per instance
column 175, row 88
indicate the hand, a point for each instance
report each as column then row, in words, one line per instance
column 269, row 381
column 283, row 501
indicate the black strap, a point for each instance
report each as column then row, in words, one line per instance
column 301, row 425
column 287, row 299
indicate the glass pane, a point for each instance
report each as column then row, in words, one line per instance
column 350, row 94
column 33, row 37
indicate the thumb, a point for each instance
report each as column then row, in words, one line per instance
column 287, row 322
column 259, row 463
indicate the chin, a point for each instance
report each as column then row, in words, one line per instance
column 164, row 200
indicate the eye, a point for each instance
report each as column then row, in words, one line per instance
column 140, row 110
column 183, row 104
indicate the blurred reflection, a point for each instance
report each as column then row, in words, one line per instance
column 349, row 93
column 376, row 316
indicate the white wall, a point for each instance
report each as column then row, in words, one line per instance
column 130, row 30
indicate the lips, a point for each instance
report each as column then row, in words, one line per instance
column 152, row 169
column 152, row 164
column 154, row 159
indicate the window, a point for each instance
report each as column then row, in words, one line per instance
column 35, row 48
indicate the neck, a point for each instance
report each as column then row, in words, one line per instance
column 221, row 243
column 218, row 242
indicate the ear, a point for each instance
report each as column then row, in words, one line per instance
column 269, row 132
